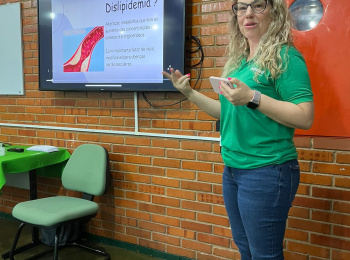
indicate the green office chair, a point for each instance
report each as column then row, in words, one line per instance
column 87, row 171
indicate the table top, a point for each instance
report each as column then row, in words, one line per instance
column 14, row 162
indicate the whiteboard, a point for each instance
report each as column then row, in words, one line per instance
column 11, row 51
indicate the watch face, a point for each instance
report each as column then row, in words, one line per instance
column 252, row 105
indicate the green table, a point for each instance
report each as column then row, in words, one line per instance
column 46, row 164
column 41, row 163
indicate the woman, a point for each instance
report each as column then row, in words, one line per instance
column 271, row 97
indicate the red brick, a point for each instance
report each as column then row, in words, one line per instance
column 331, row 168
column 166, row 124
column 181, row 174
column 169, row 221
column 197, row 166
column 151, row 208
column 316, row 179
column 166, row 162
column 181, row 154
column 308, row 249
column 334, row 194
column 315, row 155
column 210, row 178
column 137, row 178
column 334, row 218
column 189, row 225
column 332, row 143
column 311, row 203
column 308, row 225
column 330, row 242
column 166, row 143
column 210, row 198
column 181, row 193
column 227, row 253
column 212, row 157
column 192, row 244
column 343, row 158
column 183, row 115
column 139, row 141
column 169, row 240
column 299, row 212
column 302, row 141
column 179, row 232
column 217, row 220
column 183, row 214
column 137, row 214
column 155, row 171
column 341, row 206
column 138, row 159
column 222, row 231
column 303, row 189
column 138, row 196
column 341, row 231
column 160, row 228
column 189, row 185
column 196, row 206
column 138, row 232
column 298, row 235
column 340, row 255
column 215, row 240
column 294, row 256
column 197, row 146
column 165, row 182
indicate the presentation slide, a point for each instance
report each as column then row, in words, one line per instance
column 107, row 42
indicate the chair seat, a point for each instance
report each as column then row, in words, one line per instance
column 53, row 210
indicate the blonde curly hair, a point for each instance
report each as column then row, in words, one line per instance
column 268, row 52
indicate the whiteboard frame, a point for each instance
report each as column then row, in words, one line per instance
column 11, row 50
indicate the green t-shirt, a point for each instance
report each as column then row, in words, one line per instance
column 249, row 138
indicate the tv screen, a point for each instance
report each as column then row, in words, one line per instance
column 124, row 45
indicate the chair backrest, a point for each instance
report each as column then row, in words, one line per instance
column 87, row 169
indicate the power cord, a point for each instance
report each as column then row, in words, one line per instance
column 199, row 63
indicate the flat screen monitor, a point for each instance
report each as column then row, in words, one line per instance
column 124, row 45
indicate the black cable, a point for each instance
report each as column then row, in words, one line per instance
column 200, row 64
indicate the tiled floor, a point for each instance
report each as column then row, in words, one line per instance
column 8, row 229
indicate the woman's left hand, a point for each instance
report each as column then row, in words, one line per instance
column 240, row 95
column 286, row 113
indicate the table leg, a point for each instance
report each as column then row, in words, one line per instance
column 33, row 185
column 33, row 196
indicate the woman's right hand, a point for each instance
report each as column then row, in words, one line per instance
column 180, row 82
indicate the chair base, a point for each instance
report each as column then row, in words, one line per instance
column 14, row 251
column 21, row 249
column 75, row 244
column 35, row 242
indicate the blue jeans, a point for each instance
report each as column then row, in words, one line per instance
column 257, row 202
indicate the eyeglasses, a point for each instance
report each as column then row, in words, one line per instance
column 258, row 6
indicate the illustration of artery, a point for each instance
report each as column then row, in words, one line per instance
column 80, row 61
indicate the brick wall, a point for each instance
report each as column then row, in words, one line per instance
column 166, row 190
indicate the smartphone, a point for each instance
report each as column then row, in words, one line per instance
column 215, row 83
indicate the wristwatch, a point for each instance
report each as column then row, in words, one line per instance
column 254, row 103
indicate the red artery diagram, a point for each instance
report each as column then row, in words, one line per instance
column 80, row 61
